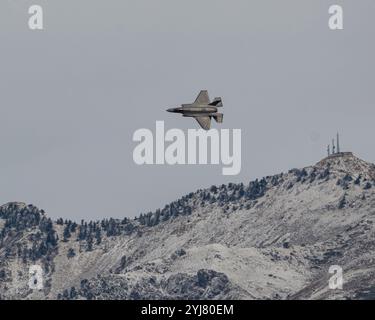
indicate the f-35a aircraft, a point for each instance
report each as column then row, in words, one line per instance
column 202, row 110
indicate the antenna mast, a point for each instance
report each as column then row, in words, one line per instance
column 338, row 143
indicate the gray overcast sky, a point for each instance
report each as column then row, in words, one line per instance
column 71, row 96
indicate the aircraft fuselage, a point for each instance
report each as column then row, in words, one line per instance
column 191, row 110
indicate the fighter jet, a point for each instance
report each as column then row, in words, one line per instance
column 202, row 110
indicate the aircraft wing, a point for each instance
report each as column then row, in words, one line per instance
column 204, row 122
column 202, row 98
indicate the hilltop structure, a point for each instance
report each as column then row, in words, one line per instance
column 335, row 150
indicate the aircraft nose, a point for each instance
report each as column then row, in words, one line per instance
column 172, row 109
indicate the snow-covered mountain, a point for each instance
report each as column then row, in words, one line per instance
column 273, row 238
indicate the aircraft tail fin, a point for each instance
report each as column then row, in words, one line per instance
column 218, row 117
column 217, row 102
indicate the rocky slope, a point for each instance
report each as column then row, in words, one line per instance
column 273, row 238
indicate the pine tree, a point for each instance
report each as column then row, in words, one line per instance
column 71, row 253
column 66, row 233
column 98, row 236
column 73, row 293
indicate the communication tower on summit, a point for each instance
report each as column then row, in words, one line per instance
column 335, row 148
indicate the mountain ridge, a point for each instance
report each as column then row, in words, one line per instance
column 274, row 238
